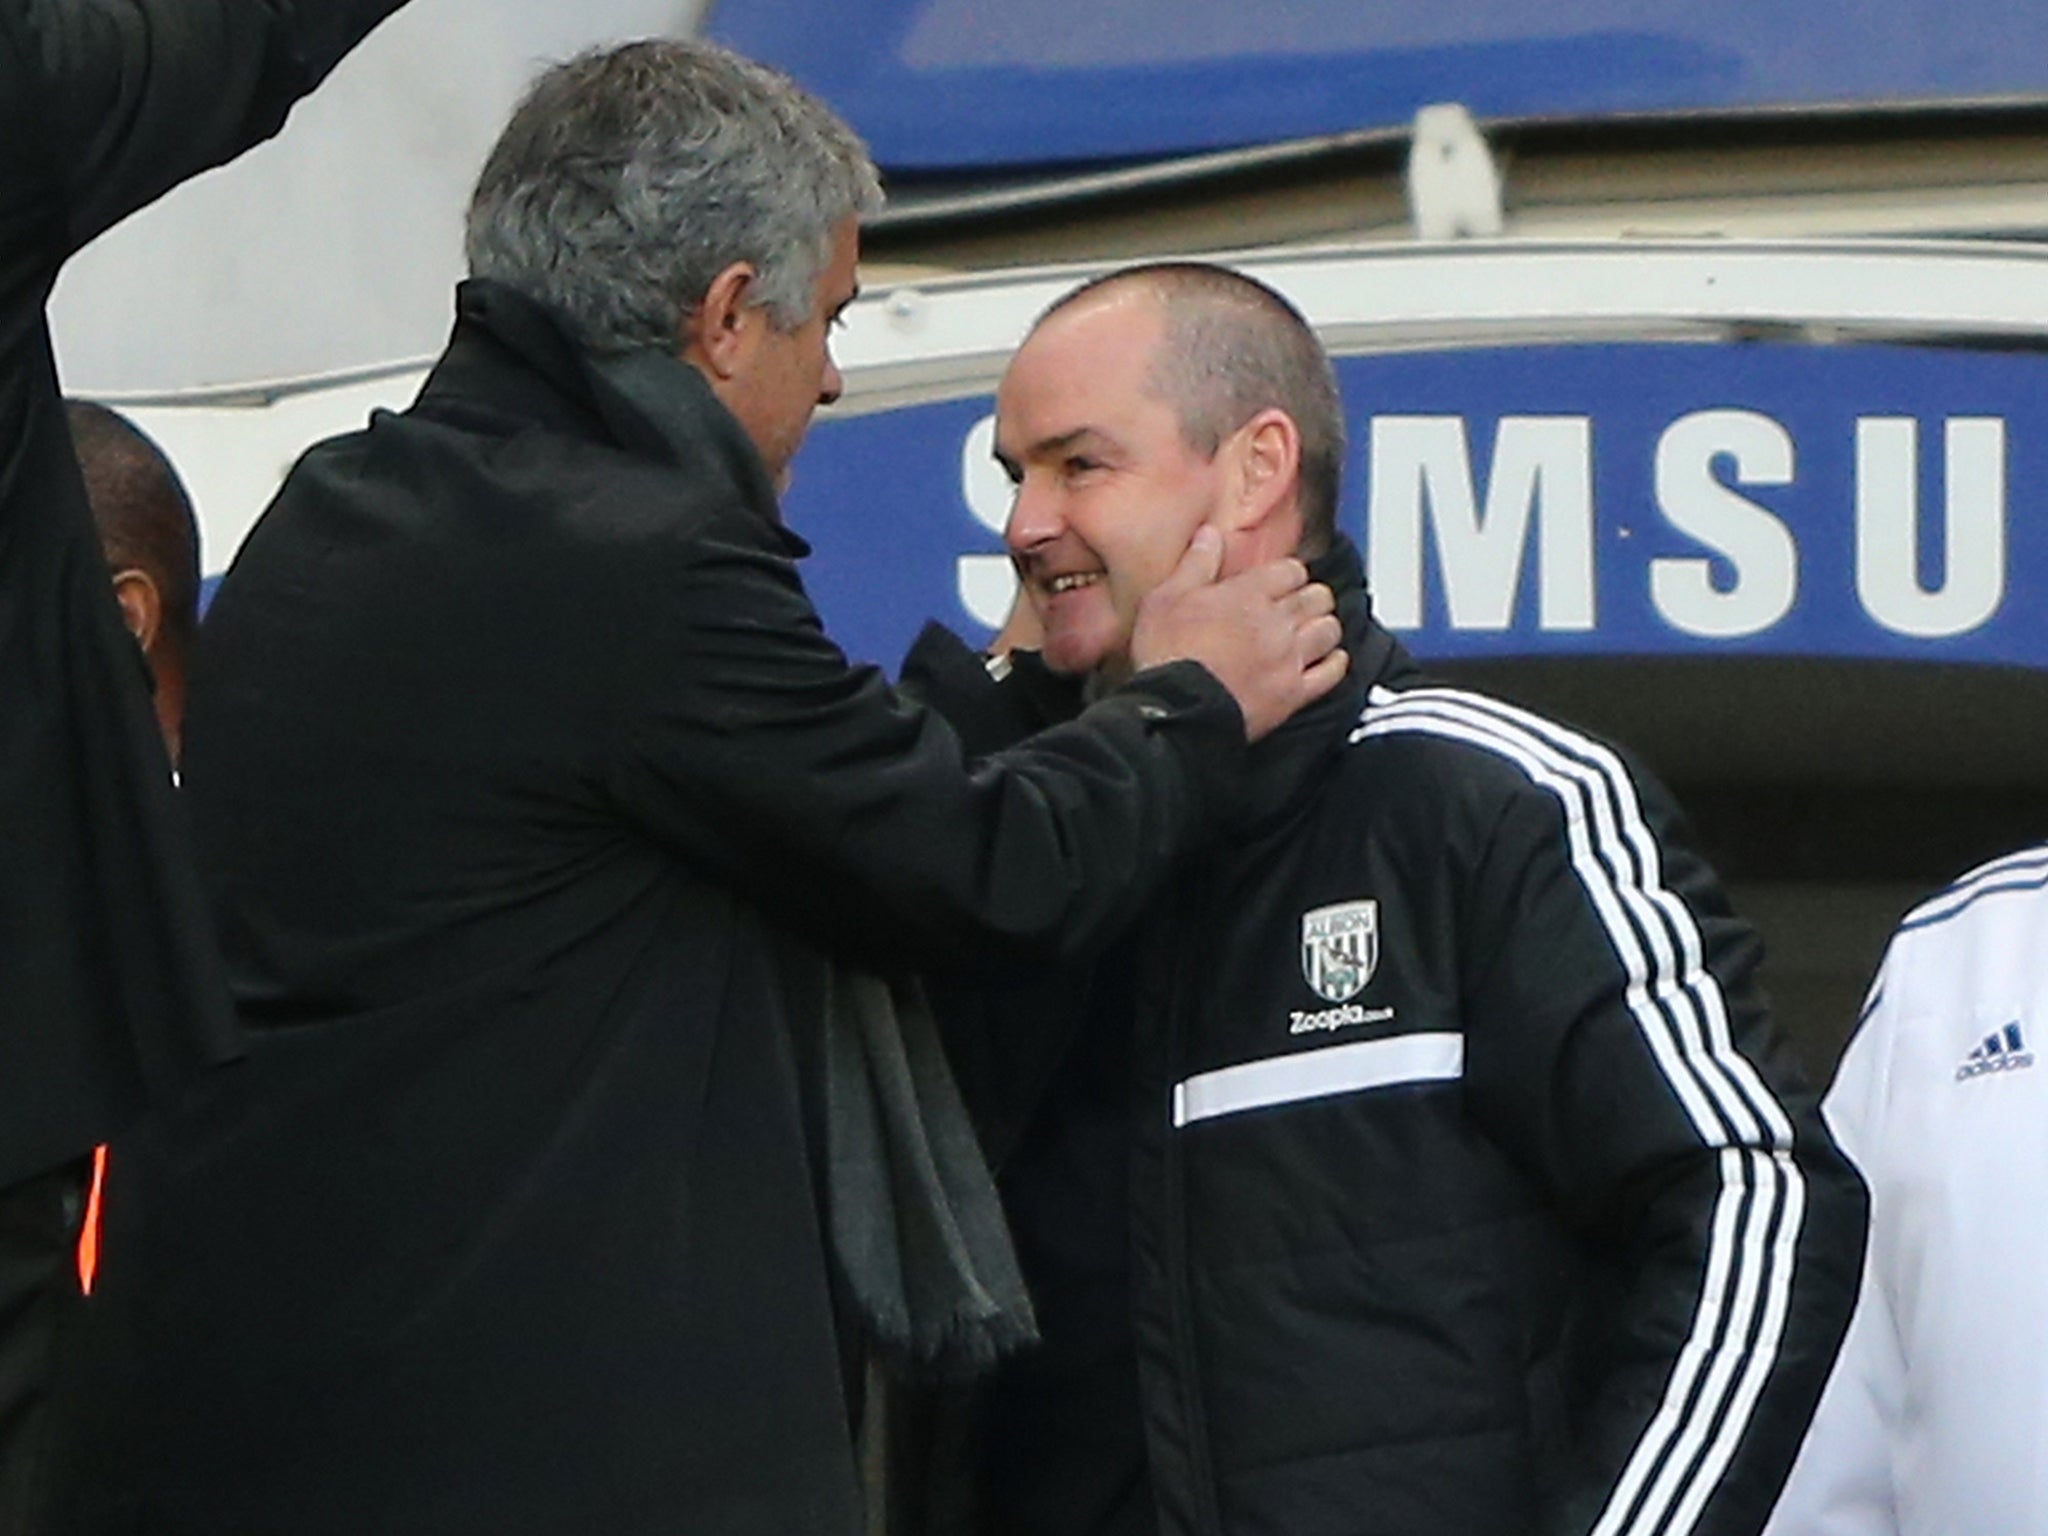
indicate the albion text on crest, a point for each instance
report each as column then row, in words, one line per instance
column 1340, row 945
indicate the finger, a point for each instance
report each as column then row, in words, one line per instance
column 1273, row 580
column 1314, row 600
column 1200, row 563
column 1317, row 638
column 1325, row 675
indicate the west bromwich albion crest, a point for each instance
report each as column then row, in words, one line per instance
column 1340, row 945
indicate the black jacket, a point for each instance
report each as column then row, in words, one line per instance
column 110, row 990
column 1470, row 1192
column 531, row 796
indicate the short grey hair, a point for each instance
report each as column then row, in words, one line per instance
column 629, row 177
column 1233, row 347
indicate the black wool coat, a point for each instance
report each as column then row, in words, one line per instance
column 532, row 798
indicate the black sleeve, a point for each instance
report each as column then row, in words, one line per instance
column 1004, row 1039
column 138, row 95
column 990, row 704
column 1619, row 1047
column 849, row 809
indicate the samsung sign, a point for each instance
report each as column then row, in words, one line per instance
column 1858, row 499
column 1667, row 498
column 1639, row 499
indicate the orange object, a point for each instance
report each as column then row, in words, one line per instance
column 89, row 1229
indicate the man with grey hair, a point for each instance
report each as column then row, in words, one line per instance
column 585, row 1144
column 1424, row 1162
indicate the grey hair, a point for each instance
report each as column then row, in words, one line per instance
column 629, row 177
column 1233, row 347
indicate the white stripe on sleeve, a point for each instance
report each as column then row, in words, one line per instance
column 1739, row 1319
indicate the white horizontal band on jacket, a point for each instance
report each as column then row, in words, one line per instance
column 1677, row 1004
column 1319, row 1074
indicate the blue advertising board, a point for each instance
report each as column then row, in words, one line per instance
column 950, row 85
column 1760, row 498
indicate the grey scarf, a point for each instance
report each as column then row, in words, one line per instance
column 916, row 1222
column 915, row 1218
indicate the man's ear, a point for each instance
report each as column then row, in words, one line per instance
column 1264, row 501
column 142, row 605
column 719, row 333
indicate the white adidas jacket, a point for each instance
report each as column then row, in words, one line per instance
column 1935, row 1422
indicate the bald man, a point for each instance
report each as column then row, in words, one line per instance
column 1425, row 1163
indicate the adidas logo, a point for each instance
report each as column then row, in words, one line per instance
column 2004, row 1051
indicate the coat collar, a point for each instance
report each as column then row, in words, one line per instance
column 1284, row 769
column 514, row 362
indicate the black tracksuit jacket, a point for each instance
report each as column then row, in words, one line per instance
column 1512, row 1217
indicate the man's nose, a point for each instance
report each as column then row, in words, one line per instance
column 832, row 385
column 1034, row 518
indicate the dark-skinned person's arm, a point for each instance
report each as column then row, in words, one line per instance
column 127, row 98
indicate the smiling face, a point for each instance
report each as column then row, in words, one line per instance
column 1108, row 490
